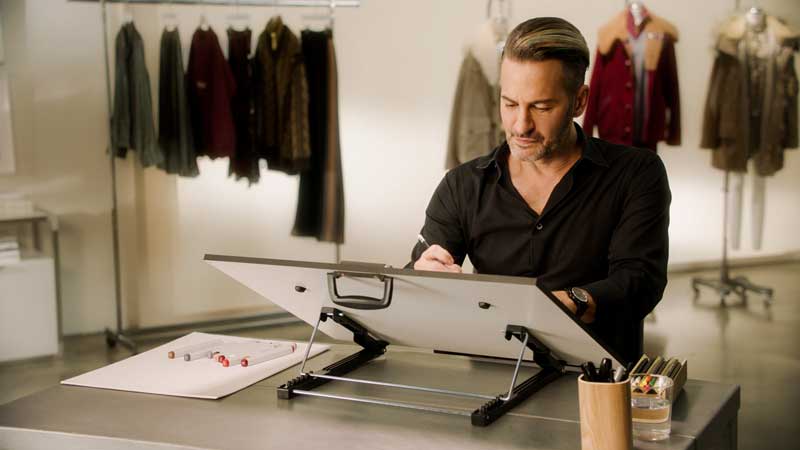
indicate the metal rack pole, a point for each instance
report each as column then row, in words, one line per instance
column 117, row 334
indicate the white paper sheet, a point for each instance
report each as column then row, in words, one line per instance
column 152, row 372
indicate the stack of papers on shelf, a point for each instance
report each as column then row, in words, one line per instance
column 12, row 204
column 9, row 251
column 154, row 372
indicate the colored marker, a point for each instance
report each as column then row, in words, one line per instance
column 283, row 350
column 204, row 353
column 232, row 361
column 181, row 352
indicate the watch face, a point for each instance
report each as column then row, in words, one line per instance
column 580, row 294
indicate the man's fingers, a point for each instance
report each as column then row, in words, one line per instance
column 430, row 264
column 455, row 268
column 438, row 253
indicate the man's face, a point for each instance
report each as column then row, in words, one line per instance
column 536, row 109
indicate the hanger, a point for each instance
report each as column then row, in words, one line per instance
column 636, row 8
column 329, row 17
column 238, row 20
column 127, row 14
column 169, row 18
column 499, row 20
column 203, row 21
column 756, row 18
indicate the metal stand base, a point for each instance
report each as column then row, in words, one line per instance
column 493, row 409
column 128, row 338
column 725, row 286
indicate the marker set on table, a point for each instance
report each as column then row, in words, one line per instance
column 234, row 353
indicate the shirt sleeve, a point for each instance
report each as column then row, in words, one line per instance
column 442, row 222
column 639, row 249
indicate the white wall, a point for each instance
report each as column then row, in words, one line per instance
column 398, row 63
column 53, row 57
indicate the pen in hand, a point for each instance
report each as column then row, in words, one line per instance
column 422, row 241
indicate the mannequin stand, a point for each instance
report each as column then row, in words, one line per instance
column 725, row 285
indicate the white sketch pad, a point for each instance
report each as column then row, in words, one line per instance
column 432, row 310
column 152, row 372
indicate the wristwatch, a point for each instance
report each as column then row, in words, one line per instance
column 581, row 299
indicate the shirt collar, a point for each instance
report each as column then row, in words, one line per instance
column 590, row 153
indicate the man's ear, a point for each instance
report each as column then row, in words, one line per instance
column 581, row 99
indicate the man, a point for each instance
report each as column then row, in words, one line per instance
column 587, row 218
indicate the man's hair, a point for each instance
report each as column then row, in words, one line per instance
column 544, row 38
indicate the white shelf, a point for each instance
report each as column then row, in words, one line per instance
column 28, row 315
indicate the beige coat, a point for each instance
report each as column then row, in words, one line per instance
column 475, row 127
column 726, row 127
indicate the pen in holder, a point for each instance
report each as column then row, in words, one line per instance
column 605, row 415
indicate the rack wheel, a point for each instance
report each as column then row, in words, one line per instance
column 111, row 339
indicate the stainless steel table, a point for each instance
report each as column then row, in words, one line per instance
column 705, row 415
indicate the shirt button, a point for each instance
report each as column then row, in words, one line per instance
column 627, row 130
column 627, row 62
column 628, row 85
column 628, row 107
column 539, row 227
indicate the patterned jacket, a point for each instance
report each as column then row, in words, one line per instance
column 281, row 99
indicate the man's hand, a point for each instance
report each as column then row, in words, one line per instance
column 437, row 259
column 588, row 315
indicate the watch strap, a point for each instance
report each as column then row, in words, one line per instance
column 581, row 306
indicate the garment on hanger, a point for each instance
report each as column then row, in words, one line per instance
column 244, row 162
column 752, row 100
column 174, row 123
column 475, row 126
column 634, row 97
column 211, row 88
column 281, row 99
column 320, row 205
column 132, row 125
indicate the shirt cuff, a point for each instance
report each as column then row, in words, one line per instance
column 608, row 298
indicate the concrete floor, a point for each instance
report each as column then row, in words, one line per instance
column 746, row 344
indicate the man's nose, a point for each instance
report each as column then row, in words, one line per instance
column 523, row 122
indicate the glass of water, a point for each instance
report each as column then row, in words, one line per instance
column 651, row 406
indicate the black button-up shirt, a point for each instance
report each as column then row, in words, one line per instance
column 604, row 228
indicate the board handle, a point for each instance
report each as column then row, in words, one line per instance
column 360, row 301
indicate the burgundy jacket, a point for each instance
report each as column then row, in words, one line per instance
column 210, row 88
column 612, row 88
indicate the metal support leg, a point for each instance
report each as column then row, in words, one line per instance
column 307, row 381
column 552, row 368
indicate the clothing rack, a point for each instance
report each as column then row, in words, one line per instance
column 128, row 337
column 725, row 285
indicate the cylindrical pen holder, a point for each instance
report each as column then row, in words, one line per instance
column 605, row 415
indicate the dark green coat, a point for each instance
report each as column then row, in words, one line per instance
column 132, row 122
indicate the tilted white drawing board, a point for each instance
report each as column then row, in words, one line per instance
column 459, row 313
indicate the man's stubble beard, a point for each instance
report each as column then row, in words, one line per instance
column 556, row 145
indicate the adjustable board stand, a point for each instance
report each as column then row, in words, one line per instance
column 495, row 406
